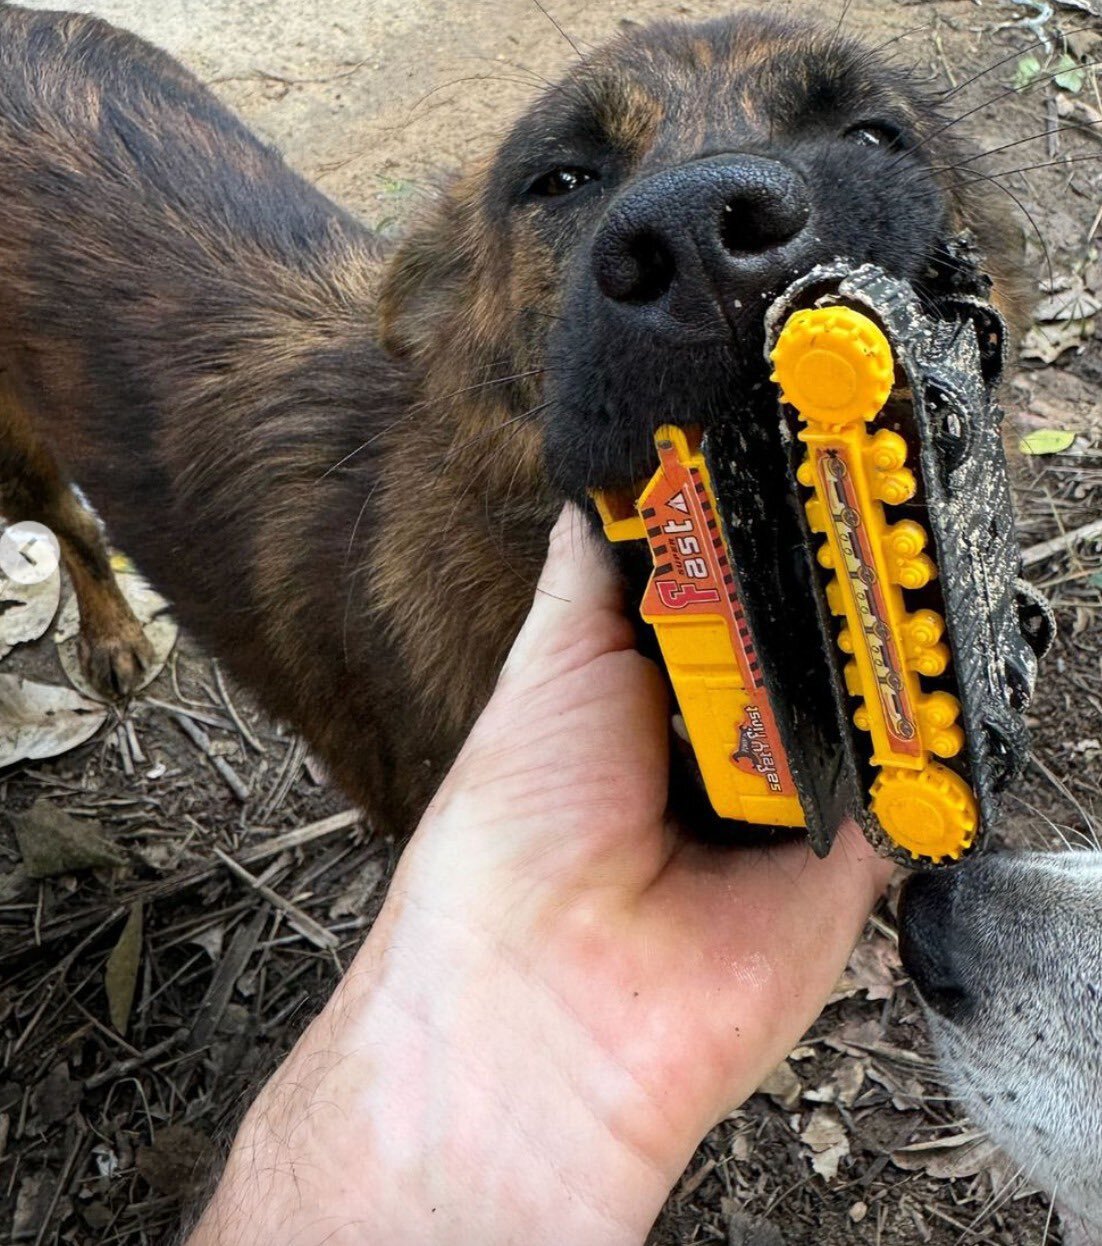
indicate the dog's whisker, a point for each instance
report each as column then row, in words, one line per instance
column 992, row 179
column 1013, row 56
column 971, row 112
column 514, row 420
column 554, row 22
column 475, row 478
column 1059, row 786
column 1061, row 832
column 426, row 405
column 1077, row 126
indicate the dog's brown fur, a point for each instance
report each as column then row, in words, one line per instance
column 320, row 451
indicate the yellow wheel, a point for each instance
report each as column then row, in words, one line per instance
column 834, row 365
column 929, row 813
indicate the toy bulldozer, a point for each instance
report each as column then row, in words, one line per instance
column 835, row 590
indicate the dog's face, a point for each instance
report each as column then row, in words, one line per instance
column 1006, row 952
column 617, row 255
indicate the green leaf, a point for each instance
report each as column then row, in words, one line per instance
column 121, row 975
column 1047, row 441
column 1072, row 75
column 1029, row 69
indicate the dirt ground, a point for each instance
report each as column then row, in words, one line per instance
column 109, row 1114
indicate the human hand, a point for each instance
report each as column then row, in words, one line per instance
column 561, row 994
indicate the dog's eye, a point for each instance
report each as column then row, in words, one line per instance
column 560, row 182
column 876, row 134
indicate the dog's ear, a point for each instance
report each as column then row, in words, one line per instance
column 432, row 276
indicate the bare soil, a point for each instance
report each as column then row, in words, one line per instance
column 105, row 1135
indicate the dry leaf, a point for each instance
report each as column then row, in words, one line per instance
column 121, row 975
column 51, row 842
column 150, row 609
column 56, row 1097
column 212, row 940
column 32, row 1205
column 783, row 1085
column 354, row 899
column 844, row 1086
column 874, row 968
column 26, row 610
column 746, row 1230
column 826, row 1138
column 907, row 1092
column 1073, row 303
column 41, row 720
column 962, row 1155
column 1046, row 343
column 177, row 1162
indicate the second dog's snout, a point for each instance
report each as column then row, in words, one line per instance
column 702, row 233
column 929, row 941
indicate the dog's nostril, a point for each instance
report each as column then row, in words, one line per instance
column 761, row 221
column 640, row 270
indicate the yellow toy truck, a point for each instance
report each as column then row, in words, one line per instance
column 835, row 593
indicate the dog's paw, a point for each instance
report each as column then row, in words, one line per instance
column 116, row 662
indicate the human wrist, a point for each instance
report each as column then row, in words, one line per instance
column 400, row 1117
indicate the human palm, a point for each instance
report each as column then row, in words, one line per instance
column 562, row 992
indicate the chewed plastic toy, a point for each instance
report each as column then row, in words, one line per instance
column 835, row 592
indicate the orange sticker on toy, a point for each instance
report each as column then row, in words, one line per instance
column 693, row 575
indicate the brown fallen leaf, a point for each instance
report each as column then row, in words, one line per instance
column 120, row 978
column 56, row 1097
column 844, row 1085
column 354, row 899
column 32, row 1205
column 177, row 1162
column 825, row 1136
column 747, row 1230
column 26, row 610
column 907, row 1092
column 874, row 968
column 960, row 1155
column 51, row 842
column 783, row 1086
column 1046, row 343
column 855, row 1037
column 41, row 720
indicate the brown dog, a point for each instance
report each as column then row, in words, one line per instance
column 339, row 463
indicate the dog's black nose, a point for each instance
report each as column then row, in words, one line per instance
column 930, row 941
column 702, row 238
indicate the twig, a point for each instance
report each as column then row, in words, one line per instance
column 1066, row 540
column 200, row 716
column 230, row 968
column 231, row 709
column 314, row 932
column 201, row 740
column 122, row 742
column 292, row 762
column 59, row 1186
column 64, row 927
column 135, row 745
column 122, row 1067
